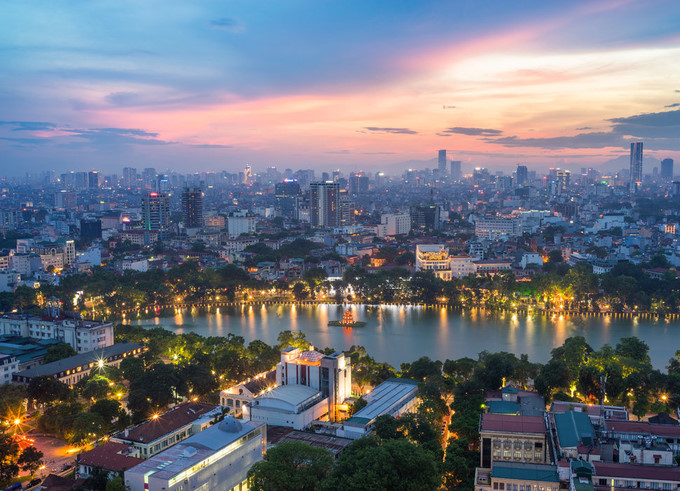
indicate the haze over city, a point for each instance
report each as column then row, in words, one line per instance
column 350, row 85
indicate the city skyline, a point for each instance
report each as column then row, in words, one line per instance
column 215, row 87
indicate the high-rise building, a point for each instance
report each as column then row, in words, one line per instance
column 288, row 195
column 456, row 172
column 667, row 169
column 347, row 209
column 129, row 177
column 156, row 213
column 636, row 162
column 563, row 178
column 425, row 217
column 192, row 207
column 522, row 175
column 93, row 179
column 65, row 200
column 442, row 163
column 324, row 204
column 358, row 184
column 149, row 177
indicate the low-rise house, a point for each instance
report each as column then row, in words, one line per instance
column 234, row 398
column 113, row 457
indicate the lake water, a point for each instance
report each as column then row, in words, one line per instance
column 397, row 334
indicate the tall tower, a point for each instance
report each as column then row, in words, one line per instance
column 192, row 207
column 522, row 175
column 456, row 171
column 636, row 162
column 667, row 169
column 156, row 213
column 324, row 204
column 442, row 163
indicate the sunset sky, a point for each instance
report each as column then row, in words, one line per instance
column 215, row 85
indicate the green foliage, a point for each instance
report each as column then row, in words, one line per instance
column 30, row 460
column 59, row 420
column 371, row 463
column 58, row 352
column 358, row 405
column 294, row 339
column 47, row 390
column 291, row 466
column 95, row 387
column 9, row 452
column 12, row 401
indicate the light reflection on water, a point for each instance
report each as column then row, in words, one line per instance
column 398, row 334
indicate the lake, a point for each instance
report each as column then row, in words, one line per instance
column 397, row 334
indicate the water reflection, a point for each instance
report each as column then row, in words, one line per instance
column 398, row 334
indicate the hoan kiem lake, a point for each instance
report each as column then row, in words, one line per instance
column 398, row 334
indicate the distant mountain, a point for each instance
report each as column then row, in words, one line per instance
column 623, row 162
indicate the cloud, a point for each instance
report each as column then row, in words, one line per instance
column 208, row 145
column 26, row 141
column 227, row 24
column 677, row 104
column 460, row 130
column 399, row 131
column 342, row 152
column 582, row 140
column 584, row 128
column 28, row 125
column 378, row 153
column 448, row 107
column 114, row 136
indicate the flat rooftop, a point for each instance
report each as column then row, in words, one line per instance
column 195, row 449
column 513, row 424
column 385, row 398
column 525, row 471
column 279, row 434
column 642, row 428
column 636, row 471
column 291, row 394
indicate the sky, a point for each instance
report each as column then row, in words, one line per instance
column 217, row 85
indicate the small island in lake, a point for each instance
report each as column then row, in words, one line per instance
column 347, row 321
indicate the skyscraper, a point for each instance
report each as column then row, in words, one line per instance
column 636, row 162
column 192, row 207
column 288, row 198
column 522, row 175
column 156, row 213
column 358, row 184
column 442, row 163
column 129, row 177
column 93, row 179
column 346, row 209
column 456, row 172
column 667, row 169
column 324, row 204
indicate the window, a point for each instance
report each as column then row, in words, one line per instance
column 507, row 454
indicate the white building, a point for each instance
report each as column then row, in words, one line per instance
column 9, row 280
column 82, row 335
column 331, row 375
column 235, row 397
column 140, row 264
column 297, row 406
column 241, row 225
column 531, row 258
column 217, row 458
column 394, row 224
column 462, row 266
column 9, row 365
column 497, row 228
column 393, row 397
column 433, row 258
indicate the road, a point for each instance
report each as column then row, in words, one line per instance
column 55, row 454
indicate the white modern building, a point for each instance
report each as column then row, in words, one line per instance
column 241, row 225
column 331, row 375
column 394, row 224
column 217, row 458
column 497, row 228
column 462, row 266
column 82, row 335
column 296, row 406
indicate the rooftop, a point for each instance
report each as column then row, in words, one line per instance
column 643, row 428
column 291, row 394
column 385, row 398
column 513, row 424
column 525, row 472
column 503, row 407
column 179, row 416
column 278, row 434
column 636, row 471
column 574, row 429
column 80, row 360
column 110, row 456
column 257, row 385
column 195, row 449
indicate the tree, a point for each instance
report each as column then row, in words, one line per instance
column 12, row 401
column 108, row 409
column 58, row 352
column 47, row 390
column 132, row 368
column 300, row 292
column 294, row 339
column 371, row 463
column 96, row 387
column 87, row 426
column 30, row 460
column 358, row 406
column 9, row 450
column 291, row 466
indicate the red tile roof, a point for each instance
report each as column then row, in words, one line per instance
column 513, row 424
column 109, row 456
column 642, row 428
column 179, row 416
column 637, row 471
